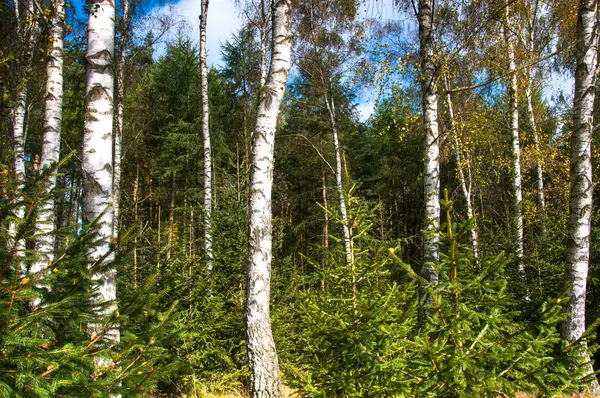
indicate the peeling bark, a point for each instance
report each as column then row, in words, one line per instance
column 262, row 355
column 513, row 113
column 96, row 159
column 207, row 154
column 431, row 172
column 580, row 206
column 52, row 135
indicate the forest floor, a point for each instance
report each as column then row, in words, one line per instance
column 289, row 393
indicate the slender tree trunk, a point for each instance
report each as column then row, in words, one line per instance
column 264, row 39
column 28, row 33
column 539, row 171
column 325, row 223
column 207, row 159
column 19, row 168
column 52, row 135
column 431, row 173
column 136, row 185
column 466, row 188
column 96, row 158
column 171, row 219
column 118, row 139
column 582, row 187
column 262, row 355
column 513, row 113
column 338, row 178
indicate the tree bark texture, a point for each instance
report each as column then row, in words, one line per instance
column 207, row 154
column 580, row 206
column 339, row 178
column 431, row 172
column 513, row 114
column 52, row 135
column 28, row 27
column 118, row 139
column 97, row 154
column 262, row 355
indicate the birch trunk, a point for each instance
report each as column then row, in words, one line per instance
column 264, row 39
column 96, row 159
column 513, row 113
column 539, row 171
column 338, row 178
column 19, row 113
column 580, row 207
column 118, row 140
column 207, row 159
column 431, row 173
column 52, row 134
column 28, row 31
column 262, row 355
column 466, row 188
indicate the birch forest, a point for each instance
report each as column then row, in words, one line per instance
column 299, row 198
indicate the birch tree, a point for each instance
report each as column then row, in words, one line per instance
column 27, row 27
column 52, row 133
column 431, row 172
column 118, row 136
column 465, row 186
column 529, row 91
column 262, row 355
column 513, row 114
column 207, row 155
column 582, row 187
column 96, row 158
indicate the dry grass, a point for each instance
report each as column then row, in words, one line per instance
column 287, row 393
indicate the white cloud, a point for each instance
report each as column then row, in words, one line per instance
column 223, row 21
column 365, row 110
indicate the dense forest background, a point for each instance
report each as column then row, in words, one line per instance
column 166, row 223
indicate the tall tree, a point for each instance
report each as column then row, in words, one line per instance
column 465, row 186
column 27, row 27
column 431, row 172
column 262, row 355
column 52, row 132
column 207, row 154
column 513, row 114
column 532, row 19
column 582, row 187
column 96, row 157
column 118, row 134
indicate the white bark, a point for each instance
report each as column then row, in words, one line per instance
column 265, row 6
column 529, row 91
column 338, row 179
column 28, row 33
column 539, row 171
column 19, row 113
column 513, row 113
column 207, row 155
column 431, row 172
column 466, row 188
column 118, row 136
column 262, row 355
column 97, row 154
column 580, row 207
column 52, row 134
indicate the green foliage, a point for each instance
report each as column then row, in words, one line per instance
column 49, row 349
column 476, row 342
